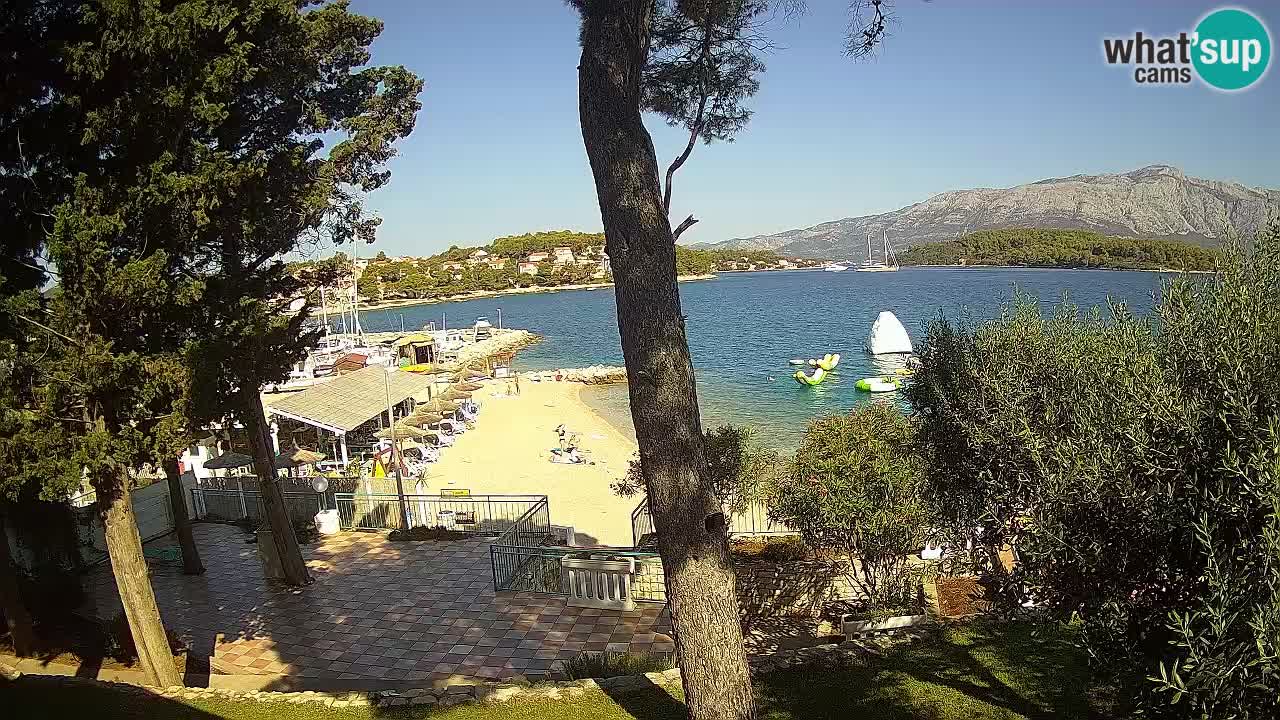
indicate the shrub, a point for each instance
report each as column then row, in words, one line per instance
column 1135, row 467
column 738, row 466
column 611, row 664
column 784, row 548
column 118, row 640
column 305, row 530
column 854, row 489
column 422, row 532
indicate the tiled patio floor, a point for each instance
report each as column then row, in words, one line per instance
column 422, row 612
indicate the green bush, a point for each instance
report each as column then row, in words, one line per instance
column 1134, row 465
column 783, row 548
column 854, row 489
column 117, row 639
column 611, row 664
column 422, row 532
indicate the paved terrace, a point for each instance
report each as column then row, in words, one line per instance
column 404, row 614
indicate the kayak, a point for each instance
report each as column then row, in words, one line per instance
column 797, row 361
column 877, row 384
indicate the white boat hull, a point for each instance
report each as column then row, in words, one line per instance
column 888, row 336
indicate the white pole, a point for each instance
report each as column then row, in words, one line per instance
column 499, row 318
column 355, row 292
column 395, row 451
column 244, row 509
column 324, row 311
column 342, row 443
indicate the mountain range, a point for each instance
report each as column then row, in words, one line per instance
column 1154, row 201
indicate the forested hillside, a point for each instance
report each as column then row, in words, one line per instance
column 1060, row 248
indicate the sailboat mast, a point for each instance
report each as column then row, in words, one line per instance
column 869, row 258
column 355, row 291
column 324, row 310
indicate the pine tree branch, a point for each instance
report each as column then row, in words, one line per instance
column 688, row 223
column 44, row 327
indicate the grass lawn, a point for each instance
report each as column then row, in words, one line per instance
column 972, row 671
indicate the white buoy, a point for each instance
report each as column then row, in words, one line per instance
column 888, row 336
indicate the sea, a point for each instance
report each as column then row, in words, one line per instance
column 745, row 328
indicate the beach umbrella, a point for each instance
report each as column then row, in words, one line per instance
column 439, row 406
column 298, row 456
column 227, row 461
column 423, row 417
column 403, row 431
column 455, row 394
column 469, row 387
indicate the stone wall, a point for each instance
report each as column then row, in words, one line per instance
column 792, row 588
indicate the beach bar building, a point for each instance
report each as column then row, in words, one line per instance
column 348, row 402
column 415, row 349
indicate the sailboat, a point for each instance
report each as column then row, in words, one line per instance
column 890, row 263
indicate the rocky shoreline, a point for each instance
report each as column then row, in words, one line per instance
column 591, row 375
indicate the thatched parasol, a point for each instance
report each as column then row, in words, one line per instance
column 467, row 374
column 438, row 406
column 298, row 456
column 227, row 461
column 404, row 432
column 468, row 387
column 422, row 418
column 455, row 394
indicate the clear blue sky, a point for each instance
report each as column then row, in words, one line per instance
column 964, row 94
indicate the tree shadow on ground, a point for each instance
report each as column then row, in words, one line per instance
column 649, row 702
column 978, row 670
column 33, row 696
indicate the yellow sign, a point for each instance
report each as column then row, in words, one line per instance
column 454, row 492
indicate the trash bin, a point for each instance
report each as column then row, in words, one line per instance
column 327, row 522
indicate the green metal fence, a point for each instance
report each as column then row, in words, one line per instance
column 478, row 514
column 524, row 560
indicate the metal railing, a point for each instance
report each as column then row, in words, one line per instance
column 234, row 505
column 479, row 514
column 524, row 560
column 642, row 532
column 754, row 521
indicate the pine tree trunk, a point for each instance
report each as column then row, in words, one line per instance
column 191, row 564
column 133, row 581
column 264, row 460
column 687, row 517
column 16, row 616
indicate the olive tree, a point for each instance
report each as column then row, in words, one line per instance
column 854, row 489
column 1133, row 464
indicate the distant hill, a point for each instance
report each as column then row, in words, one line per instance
column 1154, row 202
column 1061, row 249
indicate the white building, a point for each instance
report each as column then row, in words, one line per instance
column 564, row 255
column 527, row 268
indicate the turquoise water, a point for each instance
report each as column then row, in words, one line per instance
column 744, row 327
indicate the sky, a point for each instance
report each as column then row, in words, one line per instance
column 963, row 94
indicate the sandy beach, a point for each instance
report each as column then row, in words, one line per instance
column 509, row 451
